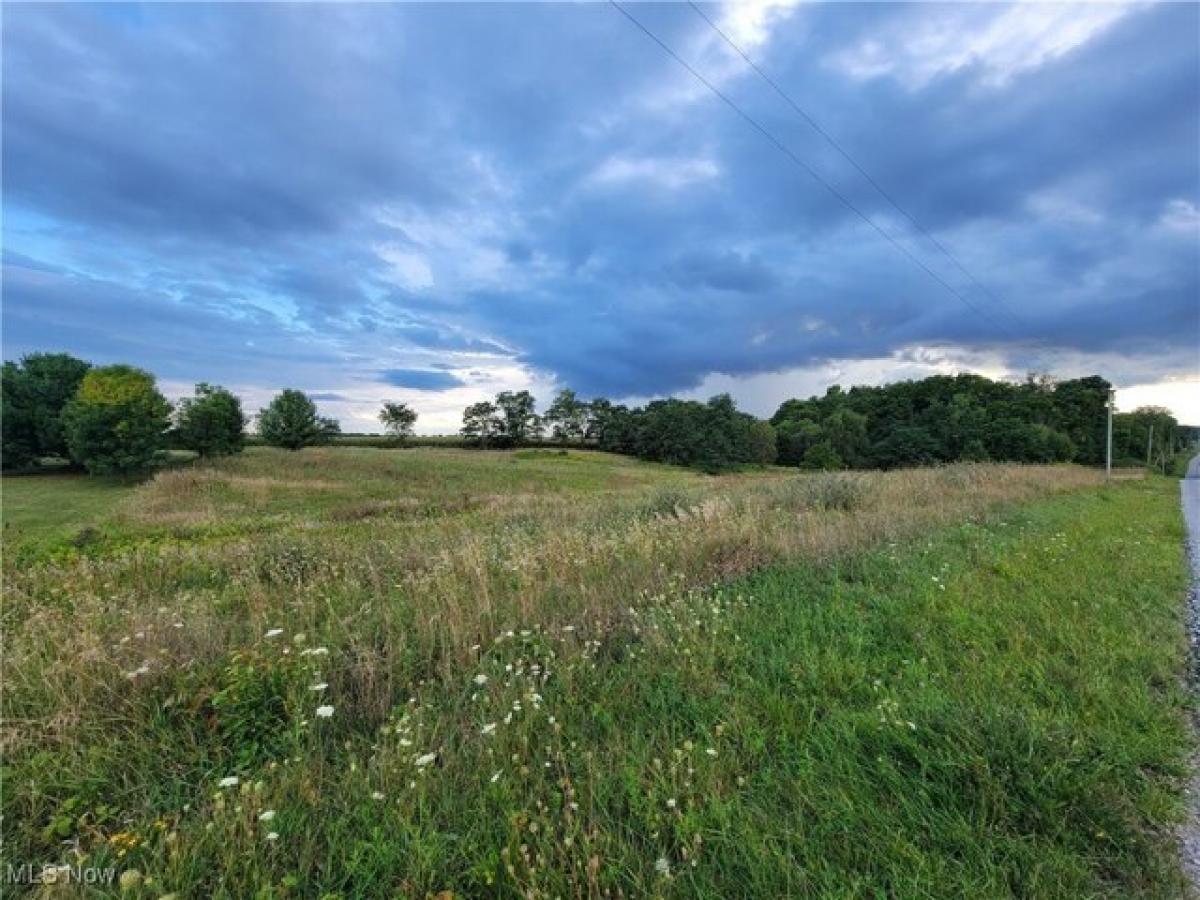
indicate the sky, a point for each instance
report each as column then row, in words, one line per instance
column 434, row 203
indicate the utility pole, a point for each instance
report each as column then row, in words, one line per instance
column 1108, row 456
column 1149, row 444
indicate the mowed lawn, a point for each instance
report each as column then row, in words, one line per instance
column 585, row 676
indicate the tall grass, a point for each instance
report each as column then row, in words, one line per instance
column 642, row 719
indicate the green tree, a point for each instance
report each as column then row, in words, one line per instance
column 846, row 432
column 613, row 426
column 909, row 445
column 1080, row 413
column 398, row 420
column 481, row 422
column 821, row 456
column 211, row 422
column 519, row 422
column 567, row 417
column 794, row 437
column 761, row 442
column 117, row 421
column 291, row 421
column 20, row 446
column 34, row 394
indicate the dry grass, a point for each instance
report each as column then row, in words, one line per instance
column 400, row 594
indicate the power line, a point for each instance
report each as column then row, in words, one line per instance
column 850, row 159
column 787, row 151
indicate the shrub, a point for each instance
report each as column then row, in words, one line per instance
column 251, row 709
column 211, row 423
column 832, row 490
column 668, row 501
column 291, row 421
column 821, row 457
column 117, row 421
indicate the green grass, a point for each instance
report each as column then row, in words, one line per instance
column 266, row 489
column 925, row 690
column 51, row 509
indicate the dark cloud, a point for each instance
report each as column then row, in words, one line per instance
column 258, row 194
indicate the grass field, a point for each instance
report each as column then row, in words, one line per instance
column 534, row 675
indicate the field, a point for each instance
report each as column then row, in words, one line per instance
column 361, row 672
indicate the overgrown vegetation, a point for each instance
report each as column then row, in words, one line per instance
column 561, row 688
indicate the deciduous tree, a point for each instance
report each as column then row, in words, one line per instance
column 117, row 421
column 291, row 421
column 480, row 422
column 34, row 394
column 398, row 420
column 211, row 422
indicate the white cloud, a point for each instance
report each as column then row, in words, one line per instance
column 671, row 173
column 762, row 393
column 1003, row 41
column 406, row 268
column 1181, row 215
column 748, row 22
column 458, row 249
column 1180, row 395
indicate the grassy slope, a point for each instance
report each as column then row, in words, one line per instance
column 994, row 710
column 266, row 489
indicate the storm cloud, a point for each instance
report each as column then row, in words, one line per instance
column 367, row 199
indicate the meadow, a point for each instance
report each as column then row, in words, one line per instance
column 349, row 672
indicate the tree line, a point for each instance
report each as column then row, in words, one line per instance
column 964, row 417
column 114, row 420
column 712, row 436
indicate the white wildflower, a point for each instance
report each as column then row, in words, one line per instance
column 272, row 835
column 488, row 728
column 266, row 815
column 671, row 803
column 324, row 712
column 273, row 632
column 495, row 777
column 481, row 679
column 421, row 761
column 376, row 795
column 662, row 866
column 319, row 686
column 228, row 781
